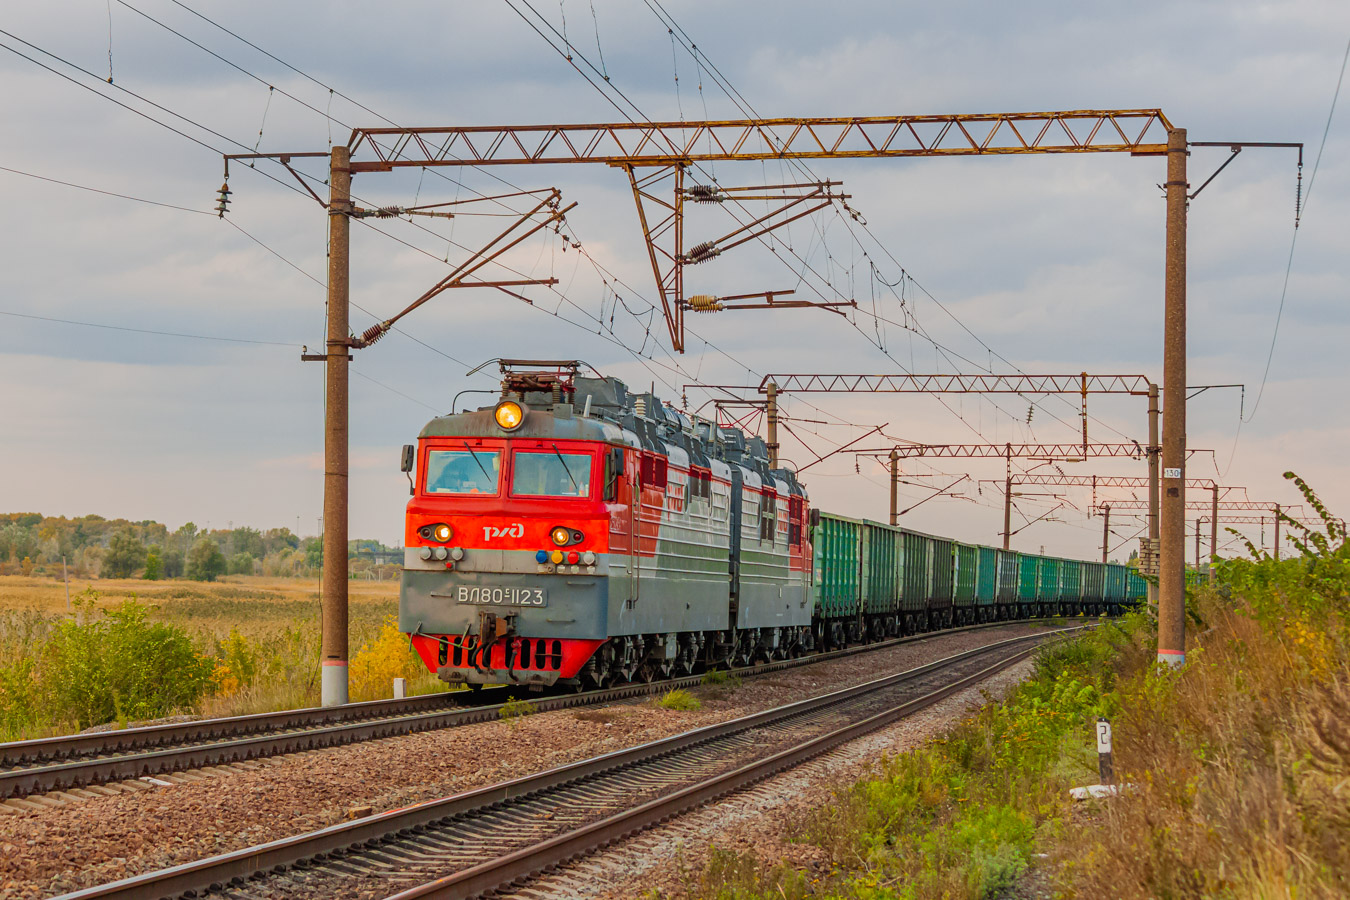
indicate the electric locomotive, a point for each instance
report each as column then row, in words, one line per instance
column 577, row 534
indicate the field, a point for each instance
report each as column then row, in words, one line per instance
column 254, row 642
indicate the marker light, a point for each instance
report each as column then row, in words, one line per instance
column 588, row 558
column 573, row 558
column 561, row 536
column 509, row 415
column 442, row 532
column 557, row 557
column 541, row 557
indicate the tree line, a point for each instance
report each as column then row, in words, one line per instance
column 95, row 547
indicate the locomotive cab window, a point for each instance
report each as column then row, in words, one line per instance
column 550, row 473
column 463, row 471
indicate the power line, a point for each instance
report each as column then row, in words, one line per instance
column 177, row 334
column 82, row 187
column 1293, row 241
column 195, row 140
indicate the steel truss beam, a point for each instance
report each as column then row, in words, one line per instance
column 1061, row 452
column 1081, row 383
column 1240, row 519
column 1134, row 131
column 1235, row 506
column 1111, row 481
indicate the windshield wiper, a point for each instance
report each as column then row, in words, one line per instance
column 474, row 457
column 576, row 487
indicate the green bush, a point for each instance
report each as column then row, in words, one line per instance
column 119, row 666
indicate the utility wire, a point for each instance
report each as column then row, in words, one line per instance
column 177, row 334
column 82, row 187
column 1293, row 241
column 189, row 137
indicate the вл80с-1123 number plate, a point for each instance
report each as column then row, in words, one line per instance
column 501, row 596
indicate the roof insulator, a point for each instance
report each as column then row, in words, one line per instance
column 704, row 303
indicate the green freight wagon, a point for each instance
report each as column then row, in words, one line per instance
column 917, row 578
column 837, row 558
column 1048, row 588
column 940, row 598
column 883, row 562
column 1028, row 584
column 965, row 574
column 1136, row 588
column 1117, row 577
column 986, row 584
column 1094, row 588
column 1070, row 586
column 1006, row 589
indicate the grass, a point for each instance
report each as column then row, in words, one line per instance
column 515, row 709
column 679, row 699
column 260, row 634
column 721, row 678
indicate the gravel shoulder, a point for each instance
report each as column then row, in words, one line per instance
column 70, row 847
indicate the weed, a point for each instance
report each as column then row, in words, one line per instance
column 721, row 677
column 516, row 708
column 679, row 699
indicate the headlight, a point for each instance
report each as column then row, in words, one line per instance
column 509, row 415
column 439, row 532
column 561, row 536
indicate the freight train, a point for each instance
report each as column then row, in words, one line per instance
column 575, row 534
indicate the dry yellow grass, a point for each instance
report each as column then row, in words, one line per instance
column 20, row 592
column 267, row 628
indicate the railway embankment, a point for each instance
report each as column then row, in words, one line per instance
column 1237, row 770
column 77, row 845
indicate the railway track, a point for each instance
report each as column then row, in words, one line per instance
column 75, row 761
column 487, row 839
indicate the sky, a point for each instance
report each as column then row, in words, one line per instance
column 1036, row 264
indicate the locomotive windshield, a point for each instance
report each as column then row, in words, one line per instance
column 551, row 473
column 463, row 471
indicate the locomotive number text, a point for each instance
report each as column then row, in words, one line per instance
column 501, row 596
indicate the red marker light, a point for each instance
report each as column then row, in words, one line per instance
column 573, row 558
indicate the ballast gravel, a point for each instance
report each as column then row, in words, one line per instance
column 53, row 851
